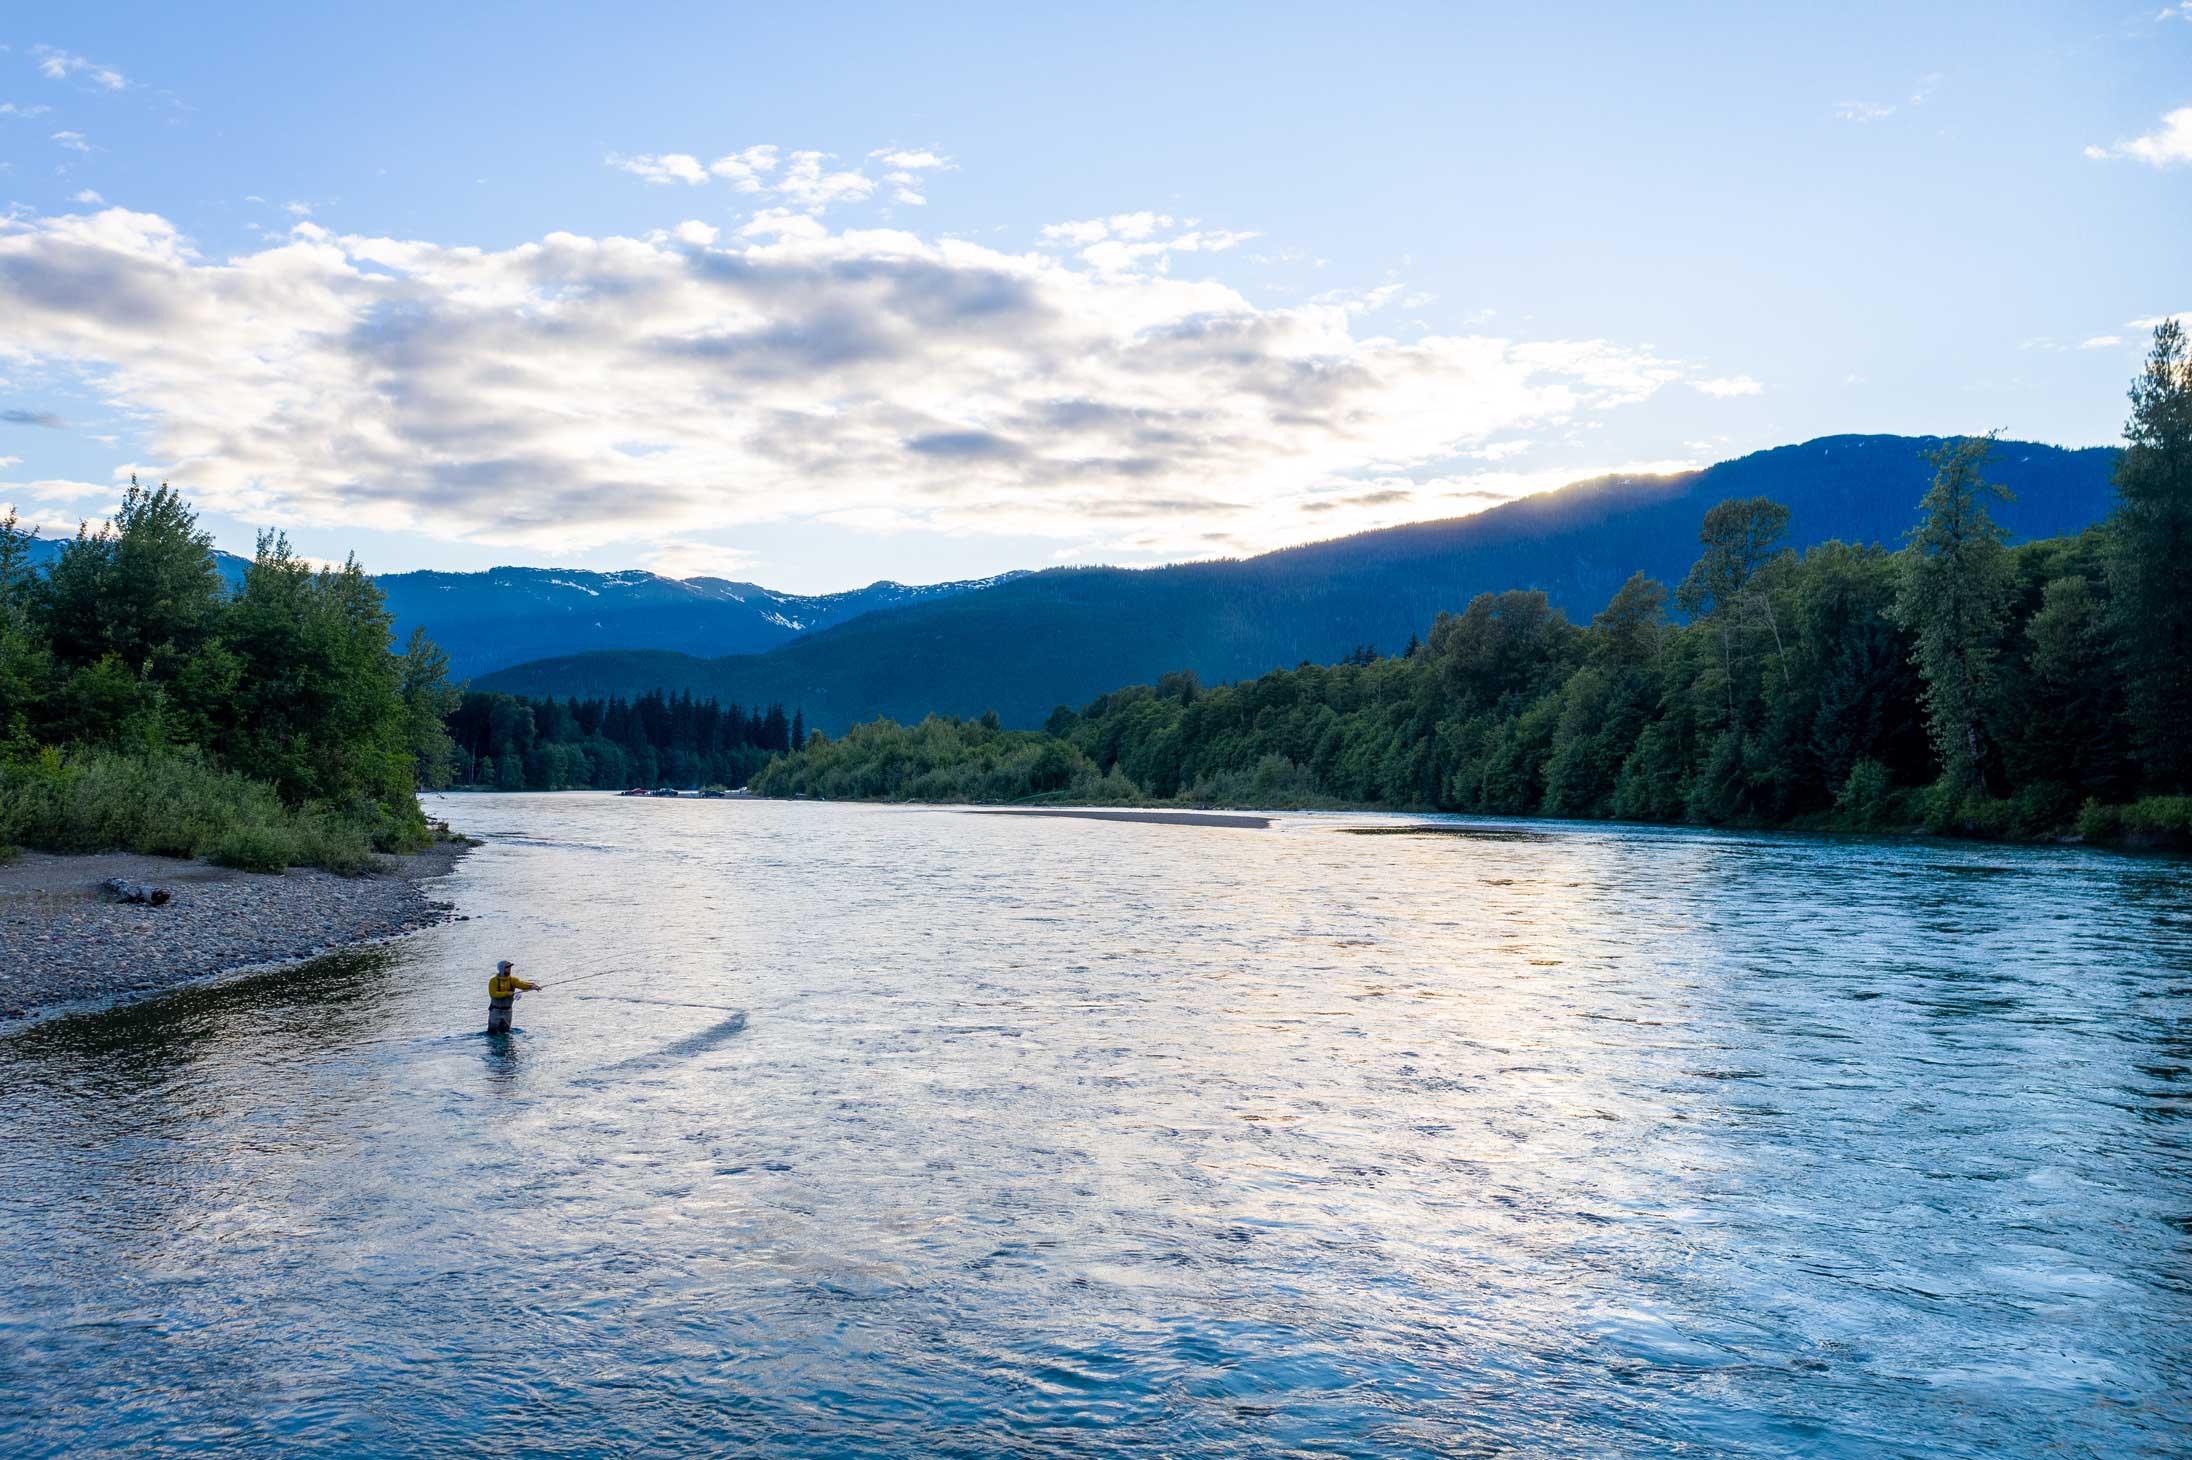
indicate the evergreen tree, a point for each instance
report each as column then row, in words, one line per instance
column 428, row 698
column 2150, row 567
column 1953, row 598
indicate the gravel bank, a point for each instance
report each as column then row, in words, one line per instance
column 66, row 945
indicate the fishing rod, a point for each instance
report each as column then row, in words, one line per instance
column 560, row 982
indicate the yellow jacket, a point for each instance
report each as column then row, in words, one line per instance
column 503, row 985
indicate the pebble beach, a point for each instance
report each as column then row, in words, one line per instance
column 66, row 944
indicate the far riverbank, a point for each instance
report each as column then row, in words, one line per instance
column 66, row 945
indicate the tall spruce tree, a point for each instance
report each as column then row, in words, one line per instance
column 1953, row 599
column 2150, row 561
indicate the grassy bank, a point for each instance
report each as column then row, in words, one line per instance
column 173, row 803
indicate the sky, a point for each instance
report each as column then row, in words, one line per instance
column 813, row 296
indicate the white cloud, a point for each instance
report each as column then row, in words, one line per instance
column 912, row 160
column 864, row 375
column 58, row 489
column 1501, row 450
column 73, row 141
column 783, row 225
column 1125, row 242
column 699, row 560
column 1358, row 504
column 805, row 183
column 298, row 210
column 2100, row 342
column 1090, row 231
column 670, row 167
column 1864, row 111
column 746, row 170
column 87, row 197
column 1728, row 385
column 2156, row 321
column 59, row 65
column 909, row 196
column 18, row 109
column 697, row 233
column 2165, row 146
column 8, row 461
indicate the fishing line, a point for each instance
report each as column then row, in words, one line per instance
column 662, row 1003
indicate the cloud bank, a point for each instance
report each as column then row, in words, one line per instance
column 578, row 391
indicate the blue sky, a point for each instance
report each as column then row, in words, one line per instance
column 816, row 299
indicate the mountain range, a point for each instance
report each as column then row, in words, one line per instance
column 1024, row 644
column 503, row 616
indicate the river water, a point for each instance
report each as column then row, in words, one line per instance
column 891, row 1131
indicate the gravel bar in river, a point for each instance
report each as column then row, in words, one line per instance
column 67, row 944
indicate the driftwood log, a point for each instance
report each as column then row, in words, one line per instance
column 144, row 892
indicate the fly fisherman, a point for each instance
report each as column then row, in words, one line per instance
column 502, row 993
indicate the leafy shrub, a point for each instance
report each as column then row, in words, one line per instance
column 2098, row 823
column 175, row 804
column 2162, row 820
column 255, row 846
column 2041, row 808
column 1867, row 796
column 1948, row 810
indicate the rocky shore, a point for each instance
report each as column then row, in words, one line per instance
column 65, row 943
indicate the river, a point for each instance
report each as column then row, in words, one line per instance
column 896, row 1131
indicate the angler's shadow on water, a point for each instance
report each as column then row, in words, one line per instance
column 680, row 1050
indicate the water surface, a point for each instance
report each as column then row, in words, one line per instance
column 896, row 1131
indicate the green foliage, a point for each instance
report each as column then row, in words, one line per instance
column 270, row 727
column 428, row 701
column 172, row 804
column 142, row 588
column 1866, row 799
column 2160, row 820
column 510, row 743
column 942, row 759
column 2150, row 564
column 1955, row 591
column 2151, row 821
column 255, row 846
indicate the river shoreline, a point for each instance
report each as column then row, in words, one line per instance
column 67, row 947
column 1248, row 820
column 1254, row 817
